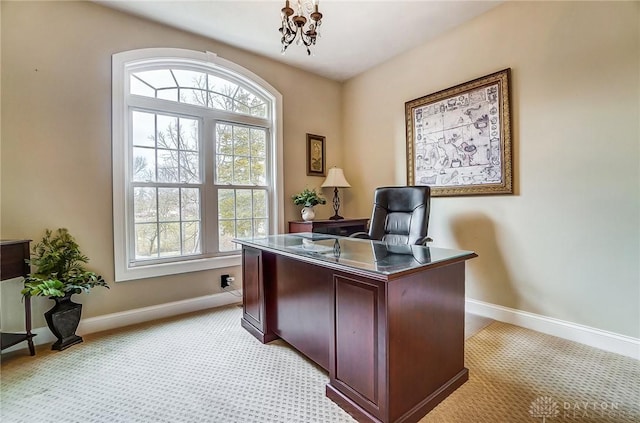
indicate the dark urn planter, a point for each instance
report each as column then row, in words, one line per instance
column 63, row 320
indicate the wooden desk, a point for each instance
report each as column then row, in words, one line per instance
column 386, row 322
column 343, row 227
column 12, row 256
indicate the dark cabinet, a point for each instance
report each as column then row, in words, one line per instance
column 13, row 255
column 342, row 227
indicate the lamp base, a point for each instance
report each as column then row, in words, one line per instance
column 336, row 205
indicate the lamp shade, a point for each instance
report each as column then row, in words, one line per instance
column 336, row 179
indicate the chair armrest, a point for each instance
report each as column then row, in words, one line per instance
column 361, row 235
column 424, row 241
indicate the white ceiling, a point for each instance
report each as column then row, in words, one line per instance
column 356, row 35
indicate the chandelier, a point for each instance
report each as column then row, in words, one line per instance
column 293, row 25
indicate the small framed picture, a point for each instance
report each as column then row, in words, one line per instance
column 315, row 155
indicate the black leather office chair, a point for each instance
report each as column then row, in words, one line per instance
column 390, row 256
column 400, row 215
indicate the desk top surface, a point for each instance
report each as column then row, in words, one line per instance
column 360, row 254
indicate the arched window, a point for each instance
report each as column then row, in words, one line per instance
column 196, row 151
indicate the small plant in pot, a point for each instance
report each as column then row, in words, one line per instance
column 308, row 198
column 60, row 274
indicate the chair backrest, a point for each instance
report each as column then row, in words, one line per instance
column 400, row 214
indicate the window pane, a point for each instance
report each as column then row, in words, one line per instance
column 260, row 111
column 226, row 231
column 146, row 241
column 168, row 205
column 189, row 134
column 189, row 167
column 167, row 132
column 144, row 204
column 193, row 96
column 244, row 228
column 226, row 204
column 241, row 172
column 143, row 127
column 168, row 94
column 190, row 204
column 157, row 78
column 241, row 108
column 244, row 206
column 167, row 166
column 169, row 239
column 258, row 172
column 260, row 227
column 247, row 98
column 258, row 142
column 240, row 141
column 190, row 79
column 139, row 88
column 249, row 103
column 224, row 139
column 260, row 203
column 191, row 238
column 222, row 86
column 224, row 169
column 144, row 164
column 220, row 102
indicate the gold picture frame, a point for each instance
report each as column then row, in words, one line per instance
column 316, row 165
column 459, row 139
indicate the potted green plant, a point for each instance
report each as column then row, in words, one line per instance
column 59, row 274
column 308, row 198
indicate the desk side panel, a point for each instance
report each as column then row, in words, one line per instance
column 358, row 372
column 356, row 336
column 426, row 339
column 252, row 286
column 257, row 277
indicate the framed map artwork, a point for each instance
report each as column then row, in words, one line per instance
column 315, row 155
column 459, row 139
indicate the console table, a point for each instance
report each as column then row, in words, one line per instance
column 385, row 321
column 13, row 255
column 342, row 227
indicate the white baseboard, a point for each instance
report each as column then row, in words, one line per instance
column 608, row 341
column 139, row 315
column 604, row 340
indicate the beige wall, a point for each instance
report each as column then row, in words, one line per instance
column 566, row 245
column 56, row 138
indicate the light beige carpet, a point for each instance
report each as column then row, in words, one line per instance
column 518, row 375
column 204, row 367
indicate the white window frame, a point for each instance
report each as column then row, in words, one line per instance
column 122, row 196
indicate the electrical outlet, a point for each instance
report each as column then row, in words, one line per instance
column 225, row 281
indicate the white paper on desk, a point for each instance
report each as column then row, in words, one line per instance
column 316, row 248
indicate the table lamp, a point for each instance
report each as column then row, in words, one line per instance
column 336, row 179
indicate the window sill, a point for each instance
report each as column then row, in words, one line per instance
column 126, row 273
